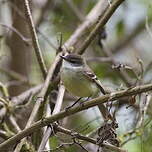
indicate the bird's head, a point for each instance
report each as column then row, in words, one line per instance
column 73, row 60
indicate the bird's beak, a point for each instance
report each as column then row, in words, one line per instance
column 63, row 57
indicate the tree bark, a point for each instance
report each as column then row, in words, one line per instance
column 20, row 52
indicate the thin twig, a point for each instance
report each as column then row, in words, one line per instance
column 15, row 75
column 123, row 75
column 88, row 139
column 89, row 21
column 17, row 129
column 26, row 40
column 55, row 111
column 59, row 100
column 4, row 134
column 73, row 110
column 59, row 147
column 4, row 89
column 134, row 131
column 124, row 42
column 148, row 28
column 36, row 45
column 75, row 10
column 19, row 146
column 45, row 8
column 143, row 109
column 100, row 24
column 46, row 39
column 48, row 112
column 20, row 99
column 99, row 59
column 14, row 123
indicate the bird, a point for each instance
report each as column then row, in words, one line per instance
column 80, row 80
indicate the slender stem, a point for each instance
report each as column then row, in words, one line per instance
column 14, row 123
column 88, row 139
column 36, row 45
column 100, row 24
column 89, row 21
column 123, row 74
column 4, row 135
column 55, row 111
column 20, row 99
column 26, row 40
column 75, row 10
column 125, row 41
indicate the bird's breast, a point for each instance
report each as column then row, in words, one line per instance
column 77, row 83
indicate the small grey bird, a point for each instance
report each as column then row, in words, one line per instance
column 80, row 80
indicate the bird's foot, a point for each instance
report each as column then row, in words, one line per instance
column 67, row 108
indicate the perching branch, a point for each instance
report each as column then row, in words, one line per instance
column 56, row 110
column 44, row 122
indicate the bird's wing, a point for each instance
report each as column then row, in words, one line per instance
column 90, row 74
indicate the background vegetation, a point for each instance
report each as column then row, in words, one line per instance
column 119, row 52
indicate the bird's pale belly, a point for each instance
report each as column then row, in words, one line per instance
column 78, row 85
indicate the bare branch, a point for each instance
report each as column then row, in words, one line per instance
column 75, row 10
column 17, row 100
column 55, row 111
column 148, row 28
column 99, row 59
column 100, row 24
column 88, row 139
column 4, row 134
column 129, row 38
column 14, row 124
column 14, row 75
column 123, row 75
column 89, row 21
column 26, row 40
column 36, row 46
